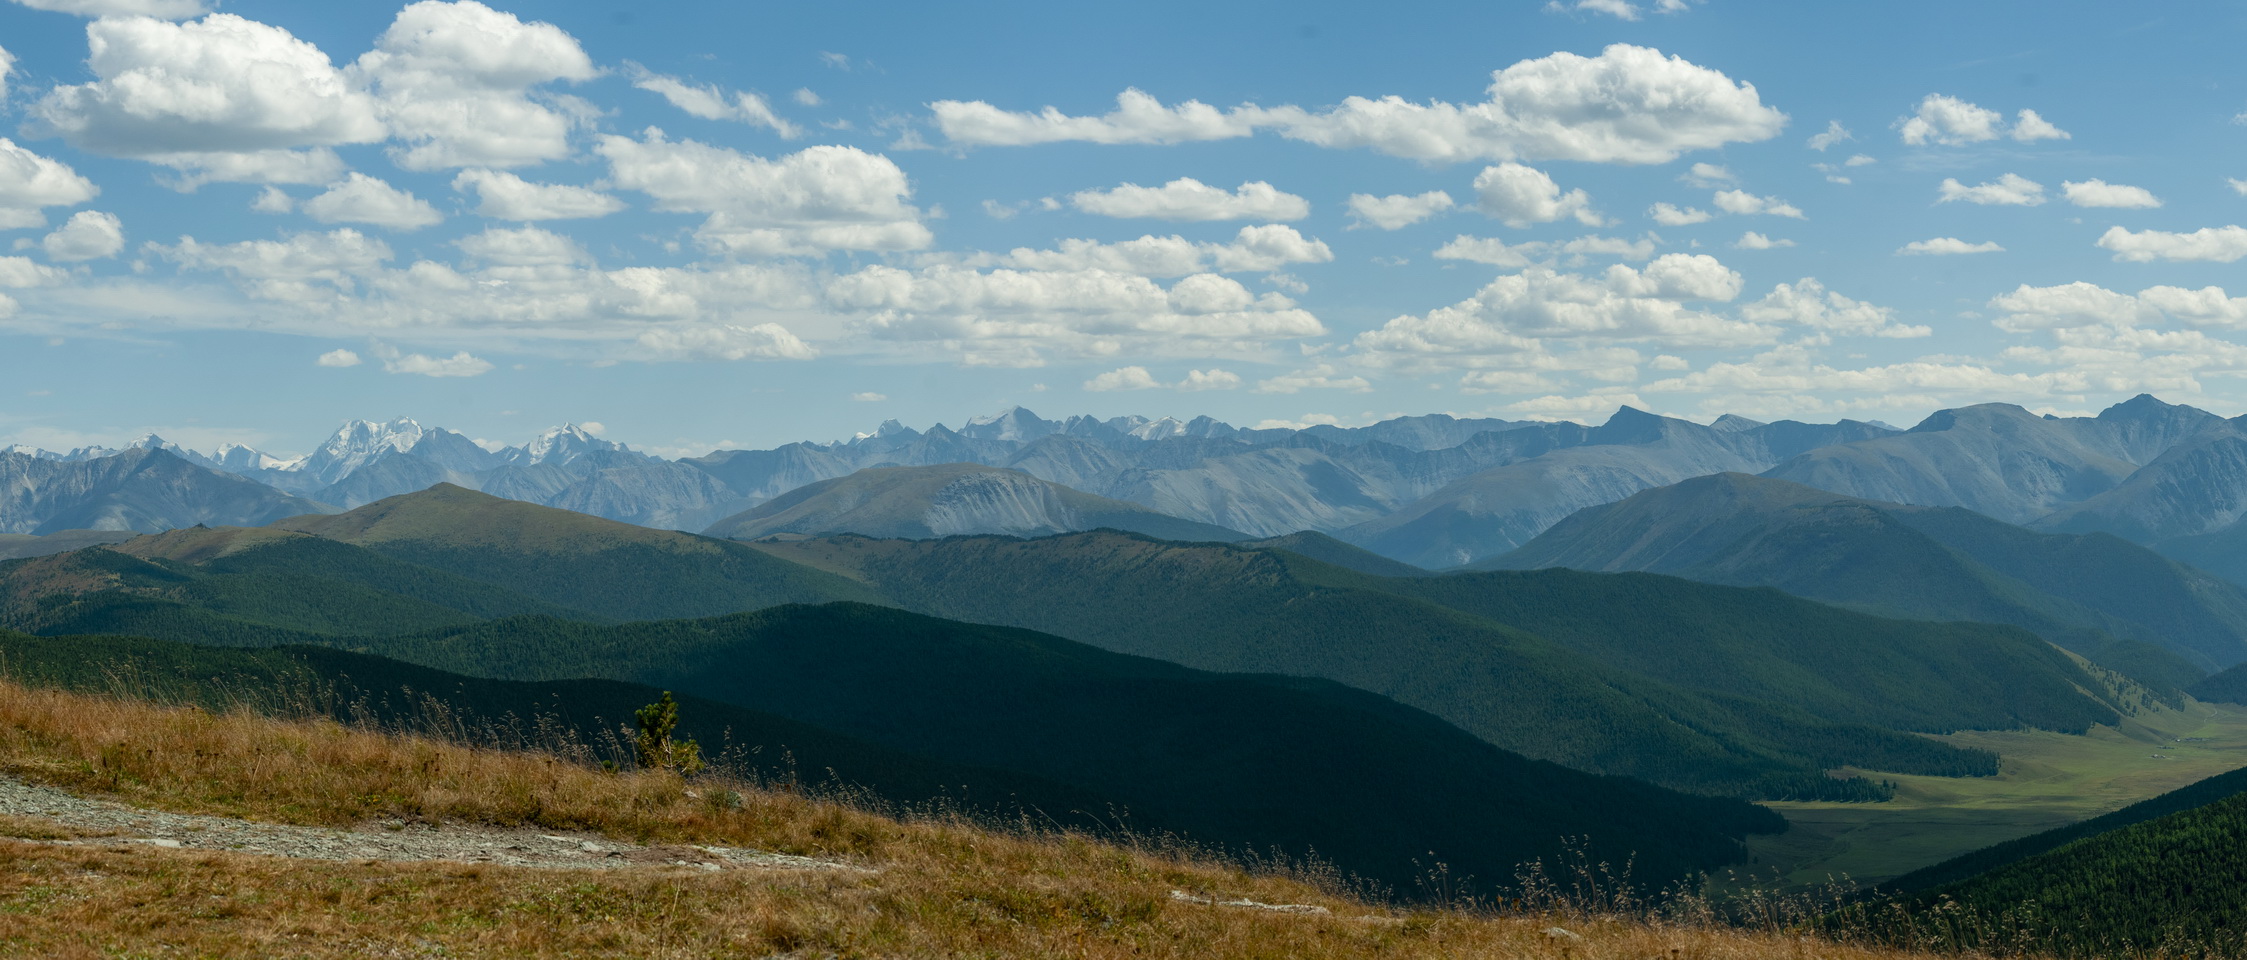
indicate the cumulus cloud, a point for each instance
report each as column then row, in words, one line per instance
column 2011, row 189
column 29, row 182
column 504, row 196
column 2099, row 193
column 1396, row 211
column 869, row 397
column 524, row 247
column 1323, row 376
column 711, row 103
column 1499, row 253
column 1188, row 199
column 1018, row 315
column 1947, row 246
column 1619, row 9
column 1508, row 319
column 87, row 235
column 1833, row 134
column 1672, row 215
column 317, row 165
column 1261, row 248
column 338, row 358
column 1137, row 378
column 461, row 364
column 2216, row 244
column 219, row 85
column 21, row 272
column 1952, row 122
column 764, row 341
column 1520, row 195
column 820, row 198
column 364, row 199
column 1808, row 303
column 1752, row 240
column 1708, row 176
column 2077, row 305
column 160, row 9
column 454, row 82
column 7, row 69
column 1628, row 105
column 305, row 266
column 1748, row 204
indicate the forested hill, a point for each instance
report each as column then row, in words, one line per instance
column 1258, row 761
column 1695, row 686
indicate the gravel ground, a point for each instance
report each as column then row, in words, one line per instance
column 394, row 841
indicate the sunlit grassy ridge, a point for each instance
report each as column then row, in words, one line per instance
column 933, row 887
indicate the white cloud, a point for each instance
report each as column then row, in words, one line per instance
column 1619, row 9
column 2030, row 127
column 1506, row 323
column 1519, row 196
column 1947, row 246
column 804, row 97
column 338, row 358
column 1211, row 379
column 1859, row 160
column 87, row 235
column 1015, row 316
column 1320, row 377
column 364, row 199
column 1708, row 176
column 1628, row 105
column 273, row 200
column 305, row 266
column 22, row 272
column 313, row 166
column 1748, row 204
column 1125, row 378
column 764, row 341
column 160, row 9
column 2078, row 305
column 1192, row 200
column 2237, row 186
column 869, row 397
column 711, row 103
column 1498, row 253
column 1672, row 215
column 2099, row 193
column 29, row 182
column 1397, row 211
column 820, row 198
column 460, row 364
column 504, row 196
column 2011, row 189
column 1833, row 134
column 7, row 69
column 2217, row 244
column 222, row 84
column 1257, row 248
column 1752, row 240
column 454, row 81
column 1808, row 303
column 524, row 247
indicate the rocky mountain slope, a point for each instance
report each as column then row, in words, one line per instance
column 950, row 500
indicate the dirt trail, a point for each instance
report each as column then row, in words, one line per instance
column 100, row 822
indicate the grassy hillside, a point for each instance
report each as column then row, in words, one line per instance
column 575, row 716
column 585, row 563
column 2176, row 881
column 2116, row 602
column 1246, row 761
column 1566, row 698
column 927, row 887
column 1969, row 866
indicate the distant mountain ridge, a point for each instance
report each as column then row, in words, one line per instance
column 1433, row 491
column 951, row 500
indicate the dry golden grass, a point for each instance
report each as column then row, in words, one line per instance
column 938, row 889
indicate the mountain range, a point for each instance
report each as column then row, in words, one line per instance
column 1433, row 491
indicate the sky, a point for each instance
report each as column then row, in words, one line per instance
column 706, row 225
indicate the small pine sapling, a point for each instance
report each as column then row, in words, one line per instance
column 653, row 747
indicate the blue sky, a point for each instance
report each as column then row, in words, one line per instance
column 736, row 224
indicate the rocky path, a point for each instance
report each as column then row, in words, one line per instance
column 104, row 823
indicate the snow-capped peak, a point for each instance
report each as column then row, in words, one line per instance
column 1014, row 424
column 561, row 445
column 358, row 443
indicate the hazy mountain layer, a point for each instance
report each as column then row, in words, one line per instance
column 140, row 489
column 950, row 500
column 1920, row 562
